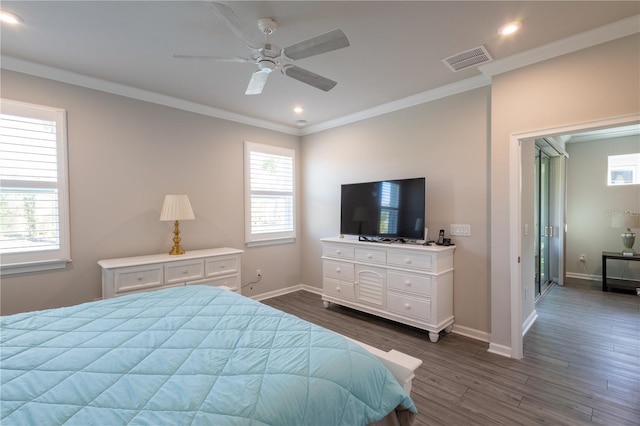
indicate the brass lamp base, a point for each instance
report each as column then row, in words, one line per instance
column 177, row 248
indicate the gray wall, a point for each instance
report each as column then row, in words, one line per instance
column 592, row 84
column 445, row 141
column 124, row 156
column 589, row 203
column 129, row 154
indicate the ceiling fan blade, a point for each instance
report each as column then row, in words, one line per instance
column 225, row 12
column 327, row 42
column 214, row 58
column 257, row 82
column 309, row 78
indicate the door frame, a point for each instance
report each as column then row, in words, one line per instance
column 515, row 213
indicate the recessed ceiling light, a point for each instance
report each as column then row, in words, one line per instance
column 510, row 28
column 10, row 18
column 298, row 110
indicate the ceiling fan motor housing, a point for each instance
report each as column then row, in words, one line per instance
column 267, row 65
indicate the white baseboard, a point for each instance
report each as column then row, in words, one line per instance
column 529, row 322
column 286, row 290
column 497, row 349
column 596, row 277
column 471, row 333
column 580, row 276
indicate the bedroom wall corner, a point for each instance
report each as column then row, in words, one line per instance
column 124, row 156
column 445, row 141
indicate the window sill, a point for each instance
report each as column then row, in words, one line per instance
column 22, row 268
column 270, row 242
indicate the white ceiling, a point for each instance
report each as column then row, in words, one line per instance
column 396, row 49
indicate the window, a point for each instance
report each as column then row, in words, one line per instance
column 269, row 194
column 34, row 225
column 624, row 169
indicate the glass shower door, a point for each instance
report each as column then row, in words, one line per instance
column 543, row 230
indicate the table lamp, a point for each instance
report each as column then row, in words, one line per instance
column 628, row 237
column 176, row 207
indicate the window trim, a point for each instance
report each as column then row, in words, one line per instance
column 17, row 263
column 614, row 164
column 252, row 240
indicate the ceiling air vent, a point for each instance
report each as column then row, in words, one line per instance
column 470, row 58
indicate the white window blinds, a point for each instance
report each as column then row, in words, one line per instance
column 33, row 195
column 269, row 193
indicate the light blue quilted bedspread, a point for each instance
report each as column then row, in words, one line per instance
column 187, row 355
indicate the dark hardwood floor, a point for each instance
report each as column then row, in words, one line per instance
column 581, row 361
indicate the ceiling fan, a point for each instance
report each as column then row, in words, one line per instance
column 269, row 57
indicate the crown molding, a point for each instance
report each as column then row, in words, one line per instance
column 14, row 64
column 609, row 32
column 410, row 101
column 615, row 30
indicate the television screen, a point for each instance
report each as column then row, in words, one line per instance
column 387, row 209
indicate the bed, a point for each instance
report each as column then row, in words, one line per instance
column 188, row 355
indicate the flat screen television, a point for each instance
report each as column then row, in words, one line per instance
column 389, row 209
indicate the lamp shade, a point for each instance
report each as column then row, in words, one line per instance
column 625, row 221
column 176, row 207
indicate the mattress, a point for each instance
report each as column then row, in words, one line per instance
column 186, row 355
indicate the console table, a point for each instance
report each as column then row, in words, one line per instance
column 606, row 255
column 408, row 283
column 219, row 267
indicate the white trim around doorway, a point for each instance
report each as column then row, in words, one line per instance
column 515, row 215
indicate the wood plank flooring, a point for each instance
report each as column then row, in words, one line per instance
column 581, row 362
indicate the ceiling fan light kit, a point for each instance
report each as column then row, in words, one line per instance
column 268, row 57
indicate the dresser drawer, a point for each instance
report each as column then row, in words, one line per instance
column 338, row 251
column 183, row 271
column 338, row 288
column 230, row 281
column 409, row 306
column 221, row 266
column 413, row 283
column 410, row 259
column 372, row 256
column 339, row 270
column 138, row 278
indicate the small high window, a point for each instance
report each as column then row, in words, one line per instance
column 624, row 169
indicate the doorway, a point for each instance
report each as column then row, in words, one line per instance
column 521, row 276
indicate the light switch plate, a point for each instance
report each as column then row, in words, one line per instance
column 460, row 230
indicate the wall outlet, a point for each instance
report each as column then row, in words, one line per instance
column 582, row 258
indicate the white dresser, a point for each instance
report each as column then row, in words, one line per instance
column 218, row 267
column 408, row 283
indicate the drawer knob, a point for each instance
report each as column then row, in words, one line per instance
column 338, row 251
column 369, row 256
column 139, row 278
column 407, row 261
column 338, row 289
column 407, row 283
column 407, row 306
column 338, row 270
column 185, row 272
